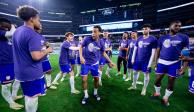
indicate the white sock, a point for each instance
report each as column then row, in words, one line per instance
column 100, row 75
column 64, row 75
column 15, row 88
column 78, row 69
column 167, row 94
column 146, row 80
column 108, row 70
column 135, row 78
column 157, row 89
column 31, row 104
column 129, row 73
column 57, row 77
column 189, row 72
column 6, row 93
column 48, row 79
column 95, row 91
column 72, row 82
column 86, row 93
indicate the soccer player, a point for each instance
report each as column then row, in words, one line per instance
column 64, row 60
column 143, row 55
column 28, row 55
column 7, row 75
column 46, row 66
column 123, row 48
column 103, row 60
column 90, row 57
column 78, row 57
column 167, row 58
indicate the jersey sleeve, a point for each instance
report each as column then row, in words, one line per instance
column 154, row 44
column 186, row 42
column 85, row 42
column 66, row 45
column 159, row 42
column 102, row 44
column 34, row 42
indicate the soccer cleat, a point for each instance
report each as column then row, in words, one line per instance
column 143, row 92
column 55, row 83
column 84, row 101
column 155, row 96
column 124, row 77
column 132, row 88
column 52, row 87
column 165, row 102
column 16, row 106
column 139, row 82
column 119, row 73
column 75, row 91
column 62, row 79
column 127, row 79
column 76, row 75
column 17, row 97
column 97, row 97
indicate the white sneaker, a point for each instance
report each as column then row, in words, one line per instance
column 139, row 82
column 17, row 97
column 52, row 87
column 55, row 83
column 132, row 88
column 119, row 73
column 124, row 77
column 127, row 79
column 75, row 91
column 143, row 92
column 16, row 106
column 76, row 75
column 62, row 79
column 108, row 75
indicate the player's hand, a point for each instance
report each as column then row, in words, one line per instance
column 49, row 49
column 82, row 60
column 183, row 58
column 47, row 44
column 112, row 65
column 181, row 71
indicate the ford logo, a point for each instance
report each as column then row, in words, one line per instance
column 108, row 12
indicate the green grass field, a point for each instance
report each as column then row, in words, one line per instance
column 114, row 94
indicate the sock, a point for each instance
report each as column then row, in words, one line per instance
column 95, row 91
column 167, row 94
column 86, row 93
column 72, row 82
column 108, row 70
column 57, row 77
column 64, row 75
column 189, row 72
column 100, row 77
column 146, row 80
column 129, row 73
column 157, row 89
column 48, row 79
column 138, row 75
column 31, row 104
column 6, row 93
column 78, row 69
column 15, row 88
column 135, row 78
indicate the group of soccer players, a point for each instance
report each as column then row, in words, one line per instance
column 24, row 58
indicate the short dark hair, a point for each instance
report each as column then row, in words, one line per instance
column 147, row 25
column 26, row 12
column 99, row 28
column 68, row 33
column 4, row 20
column 175, row 21
column 126, row 33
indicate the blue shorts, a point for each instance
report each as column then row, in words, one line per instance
column 171, row 70
column 92, row 68
column 129, row 64
column 65, row 68
column 141, row 66
column 191, row 82
column 7, row 73
column 103, row 61
column 46, row 66
column 72, row 61
column 33, row 88
column 78, row 61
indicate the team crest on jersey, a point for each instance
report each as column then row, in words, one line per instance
column 123, row 44
column 166, row 43
column 140, row 44
column 106, row 45
column 92, row 47
column 131, row 45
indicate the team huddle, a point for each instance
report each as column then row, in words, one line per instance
column 24, row 59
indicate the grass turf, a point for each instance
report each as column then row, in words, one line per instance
column 114, row 94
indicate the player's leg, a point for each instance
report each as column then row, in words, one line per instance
column 119, row 60
column 157, row 86
column 72, row 83
column 100, row 74
column 48, row 78
column 15, row 88
column 108, row 71
column 78, row 67
column 84, row 74
column 146, row 72
column 191, row 81
column 58, row 76
column 125, row 68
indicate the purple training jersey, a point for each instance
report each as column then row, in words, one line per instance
column 144, row 48
column 123, row 44
column 93, row 50
column 131, row 47
column 72, row 53
column 25, row 41
column 171, row 46
column 64, row 54
column 6, row 52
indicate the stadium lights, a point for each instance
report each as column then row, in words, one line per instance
column 178, row 6
column 118, row 22
column 51, row 21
